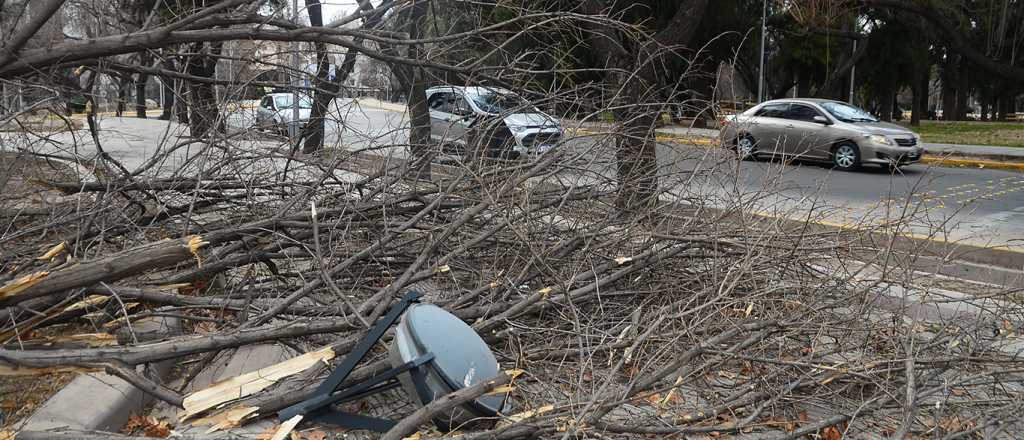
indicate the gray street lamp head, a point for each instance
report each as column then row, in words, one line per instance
column 461, row 359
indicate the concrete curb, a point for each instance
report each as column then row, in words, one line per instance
column 99, row 401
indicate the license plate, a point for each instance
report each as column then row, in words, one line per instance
column 545, row 147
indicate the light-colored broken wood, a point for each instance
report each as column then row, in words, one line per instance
column 232, row 418
column 23, row 283
column 87, row 339
column 249, row 383
column 53, row 251
column 286, row 428
column 91, row 301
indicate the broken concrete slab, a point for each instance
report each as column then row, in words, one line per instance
column 99, row 401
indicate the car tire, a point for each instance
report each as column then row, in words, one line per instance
column 746, row 147
column 846, row 157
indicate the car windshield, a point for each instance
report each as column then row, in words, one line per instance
column 847, row 113
column 502, row 103
column 285, row 101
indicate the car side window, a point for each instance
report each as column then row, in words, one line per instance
column 439, row 102
column 803, row 113
column 773, row 111
column 266, row 103
column 460, row 106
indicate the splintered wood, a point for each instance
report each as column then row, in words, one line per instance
column 250, row 383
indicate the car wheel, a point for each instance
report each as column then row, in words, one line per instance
column 746, row 147
column 846, row 157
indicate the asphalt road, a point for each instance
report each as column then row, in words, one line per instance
column 984, row 207
column 979, row 206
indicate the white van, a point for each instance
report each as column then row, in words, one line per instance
column 516, row 128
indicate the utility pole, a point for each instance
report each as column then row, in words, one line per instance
column 764, row 32
column 853, row 73
column 294, row 126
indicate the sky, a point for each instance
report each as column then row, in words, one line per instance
column 335, row 9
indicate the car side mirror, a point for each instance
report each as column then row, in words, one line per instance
column 822, row 120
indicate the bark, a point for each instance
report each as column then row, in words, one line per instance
column 920, row 91
column 167, row 83
column 326, row 90
column 122, row 95
column 439, row 406
column 171, row 348
column 948, row 92
column 963, row 91
column 886, row 107
column 637, row 164
column 41, row 14
column 202, row 96
column 123, row 264
column 140, row 95
column 413, row 81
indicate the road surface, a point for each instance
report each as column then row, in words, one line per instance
column 983, row 207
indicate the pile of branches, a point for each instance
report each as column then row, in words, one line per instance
column 684, row 320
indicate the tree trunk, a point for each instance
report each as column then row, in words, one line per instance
column 326, row 90
column 122, row 95
column 885, row 109
column 413, row 81
column 168, row 84
column 140, row 95
column 202, row 100
column 637, row 169
column 963, row 91
column 920, row 91
column 948, row 92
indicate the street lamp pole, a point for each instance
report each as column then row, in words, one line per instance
column 764, row 32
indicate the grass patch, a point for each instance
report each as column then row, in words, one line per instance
column 1003, row 134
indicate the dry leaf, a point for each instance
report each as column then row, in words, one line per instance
column 831, row 433
column 147, row 426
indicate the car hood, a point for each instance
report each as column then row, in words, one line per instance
column 286, row 114
column 883, row 128
column 530, row 120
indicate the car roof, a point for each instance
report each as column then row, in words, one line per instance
column 802, row 101
column 469, row 90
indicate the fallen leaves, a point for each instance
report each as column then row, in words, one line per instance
column 146, row 425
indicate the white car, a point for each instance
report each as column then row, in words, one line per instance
column 514, row 127
column 276, row 111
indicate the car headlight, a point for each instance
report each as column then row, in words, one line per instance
column 879, row 139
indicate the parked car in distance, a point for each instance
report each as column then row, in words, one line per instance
column 512, row 126
column 820, row 130
column 275, row 111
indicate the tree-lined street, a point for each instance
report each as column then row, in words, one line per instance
column 412, row 219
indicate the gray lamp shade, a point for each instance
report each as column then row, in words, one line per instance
column 461, row 359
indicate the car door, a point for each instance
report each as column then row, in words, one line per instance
column 802, row 136
column 265, row 112
column 462, row 117
column 768, row 125
column 449, row 117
